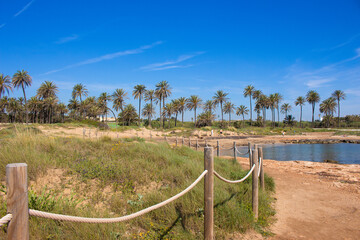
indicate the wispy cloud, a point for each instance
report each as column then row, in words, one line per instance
column 171, row 64
column 67, row 39
column 345, row 70
column 318, row 82
column 2, row 25
column 24, row 8
column 341, row 44
column 106, row 57
column 355, row 92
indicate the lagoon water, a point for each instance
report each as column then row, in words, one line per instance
column 345, row 153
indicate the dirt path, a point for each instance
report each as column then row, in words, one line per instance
column 315, row 200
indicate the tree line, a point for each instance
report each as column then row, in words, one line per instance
column 45, row 106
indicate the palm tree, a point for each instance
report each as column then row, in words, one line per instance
column 22, row 79
column 248, row 91
column 220, row 98
column 206, row 118
column 285, row 108
column 194, row 102
column 118, row 98
column 272, row 104
column 129, row 114
column 256, row 95
column 150, row 96
column 176, row 108
column 209, row 106
column 163, row 91
column 300, row 101
column 46, row 90
column 242, row 110
column 62, row 110
column 148, row 112
column 182, row 107
column 79, row 90
column 278, row 98
column 5, row 84
column 229, row 108
column 168, row 111
column 263, row 102
column 102, row 101
column 312, row 97
column 138, row 92
column 328, row 106
column 339, row 95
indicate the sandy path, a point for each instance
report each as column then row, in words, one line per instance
column 315, row 200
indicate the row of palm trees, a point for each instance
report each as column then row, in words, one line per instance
column 44, row 107
column 272, row 101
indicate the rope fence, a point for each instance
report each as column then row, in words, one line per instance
column 18, row 211
column 5, row 219
column 235, row 181
column 67, row 218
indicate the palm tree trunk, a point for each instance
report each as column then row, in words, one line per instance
column 160, row 112
column 222, row 116
column 338, row 112
column 176, row 118
column 250, row 112
column 164, row 117
column 195, row 116
column 243, row 120
column 27, row 120
column 151, row 108
column 300, row 115
column 278, row 112
column 182, row 117
column 313, row 111
column 139, row 110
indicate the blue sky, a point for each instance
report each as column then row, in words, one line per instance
column 199, row 47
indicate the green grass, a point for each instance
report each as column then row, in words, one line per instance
column 125, row 167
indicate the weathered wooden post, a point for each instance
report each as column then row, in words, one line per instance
column 189, row 142
column 255, row 184
column 234, row 148
column 209, row 194
column 17, row 201
column 183, row 141
column 84, row 132
column 217, row 148
column 250, row 154
column 197, row 145
column 176, row 141
column 150, row 135
column 262, row 179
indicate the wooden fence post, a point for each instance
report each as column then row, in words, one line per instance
column 197, row 145
column 262, row 179
column 209, row 194
column 183, row 141
column 189, row 142
column 217, row 148
column 176, row 141
column 234, row 151
column 255, row 184
column 206, row 143
column 84, row 132
column 250, row 155
column 17, row 201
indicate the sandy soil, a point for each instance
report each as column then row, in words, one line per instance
column 314, row 200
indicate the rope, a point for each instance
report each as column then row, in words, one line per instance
column 61, row 217
column 259, row 167
column 226, row 149
column 5, row 219
column 241, row 152
column 236, row 181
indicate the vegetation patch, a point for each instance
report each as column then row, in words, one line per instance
column 110, row 178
